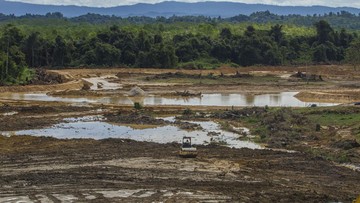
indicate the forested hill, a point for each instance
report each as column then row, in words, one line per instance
column 340, row 19
column 169, row 8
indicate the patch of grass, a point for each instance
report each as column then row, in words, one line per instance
column 260, row 132
column 200, row 64
column 187, row 112
column 340, row 157
column 332, row 116
column 137, row 106
column 333, row 119
column 356, row 133
column 251, row 120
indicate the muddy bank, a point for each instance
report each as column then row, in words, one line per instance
column 76, row 84
column 13, row 117
column 104, row 169
column 343, row 96
column 209, row 75
column 76, row 93
column 144, row 118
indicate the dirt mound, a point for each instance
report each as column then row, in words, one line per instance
column 307, row 77
column 135, row 118
column 42, row 77
column 136, row 91
column 86, row 87
column 144, row 119
column 236, row 114
column 188, row 126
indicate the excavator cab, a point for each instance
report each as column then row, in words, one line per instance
column 187, row 150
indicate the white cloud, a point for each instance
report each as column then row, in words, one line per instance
column 110, row 3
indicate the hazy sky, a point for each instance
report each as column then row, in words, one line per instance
column 109, row 3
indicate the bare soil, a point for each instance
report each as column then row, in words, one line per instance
column 89, row 170
column 43, row 169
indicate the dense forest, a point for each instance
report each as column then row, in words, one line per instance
column 165, row 43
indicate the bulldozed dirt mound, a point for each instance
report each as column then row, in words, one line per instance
column 43, row 77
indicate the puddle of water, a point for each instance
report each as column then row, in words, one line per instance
column 10, row 113
column 275, row 99
column 20, row 199
column 352, row 166
column 146, row 194
column 43, row 198
column 65, row 198
column 103, row 82
column 89, row 197
column 126, row 193
column 91, row 127
column 119, row 193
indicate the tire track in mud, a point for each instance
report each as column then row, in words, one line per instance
column 124, row 170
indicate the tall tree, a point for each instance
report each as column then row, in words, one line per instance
column 352, row 55
column 324, row 32
column 12, row 59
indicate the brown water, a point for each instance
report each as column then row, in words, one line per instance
column 285, row 99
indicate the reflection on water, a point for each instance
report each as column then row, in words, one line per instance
column 249, row 99
column 273, row 99
column 95, row 128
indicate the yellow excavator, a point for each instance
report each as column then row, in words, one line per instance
column 187, row 150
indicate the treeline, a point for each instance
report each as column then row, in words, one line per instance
column 341, row 19
column 140, row 48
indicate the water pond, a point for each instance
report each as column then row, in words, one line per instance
column 281, row 99
column 98, row 128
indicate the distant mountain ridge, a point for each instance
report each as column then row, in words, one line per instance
column 169, row 8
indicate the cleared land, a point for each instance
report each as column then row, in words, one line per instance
column 316, row 150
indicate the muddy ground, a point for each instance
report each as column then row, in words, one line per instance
column 43, row 169
column 115, row 170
